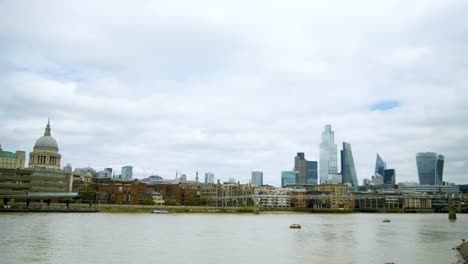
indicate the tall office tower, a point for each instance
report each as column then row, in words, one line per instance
column 127, row 172
column 312, row 173
column 257, row 178
column 288, row 178
column 389, row 176
column 348, row 171
column 328, row 155
column 380, row 165
column 300, row 166
column 209, row 177
column 430, row 168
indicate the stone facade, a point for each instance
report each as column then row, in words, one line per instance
column 47, row 180
column 45, row 161
column 10, row 160
column 45, row 153
column 338, row 195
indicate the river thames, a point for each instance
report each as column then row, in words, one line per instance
column 230, row 238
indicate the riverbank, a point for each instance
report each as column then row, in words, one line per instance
column 144, row 209
column 463, row 249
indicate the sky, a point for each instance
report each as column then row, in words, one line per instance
column 233, row 87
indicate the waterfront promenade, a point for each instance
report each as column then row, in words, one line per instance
column 111, row 208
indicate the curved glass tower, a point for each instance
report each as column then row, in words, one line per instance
column 380, row 165
column 348, row 171
column 430, row 168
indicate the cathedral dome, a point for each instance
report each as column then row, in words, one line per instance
column 46, row 141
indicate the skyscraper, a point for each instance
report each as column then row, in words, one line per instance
column 257, row 178
column 288, row 178
column 209, row 177
column 380, row 165
column 430, row 168
column 127, row 172
column 389, row 176
column 300, row 166
column 328, row 155
column 312, row 173
column 348, row 171
column 306, row 171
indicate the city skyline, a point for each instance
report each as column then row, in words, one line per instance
column 166, row 90
column 306, row 172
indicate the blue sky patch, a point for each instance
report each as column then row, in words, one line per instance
column 384, row 105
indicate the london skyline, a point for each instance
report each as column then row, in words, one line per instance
column 223, row 89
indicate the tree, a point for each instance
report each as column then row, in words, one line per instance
column 87, row 195
column 148, row 202
column 191, row 201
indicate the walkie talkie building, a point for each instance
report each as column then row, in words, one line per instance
column 430, row 168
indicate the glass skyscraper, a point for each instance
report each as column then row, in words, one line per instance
column 389, row 176
column 288, row 178
column 209, row 177
column 348, row 171
column 127, row 172
column 380, row 165
column 430, row 168
column 312, row 173
column 257, row 178
column 328, row 155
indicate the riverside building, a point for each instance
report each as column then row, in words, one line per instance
column 10, row 160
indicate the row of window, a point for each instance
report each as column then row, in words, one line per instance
column 8, row 160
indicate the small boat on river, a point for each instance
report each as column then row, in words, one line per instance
column 297, row 226
column 386, row 220
column 160, row 212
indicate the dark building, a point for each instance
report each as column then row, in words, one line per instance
column 380, row 165
column 348, row 171
column 463, row 188
column 300, row 166
column 306, row 171
column 430, row 168
column 389, row 176
column 312, row 172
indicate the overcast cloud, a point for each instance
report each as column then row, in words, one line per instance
column 236, row 86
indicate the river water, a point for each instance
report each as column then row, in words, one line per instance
column 230, row 238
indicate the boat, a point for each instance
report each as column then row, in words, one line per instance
column 160, row 212
column 297, row 226
column 386, row 220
